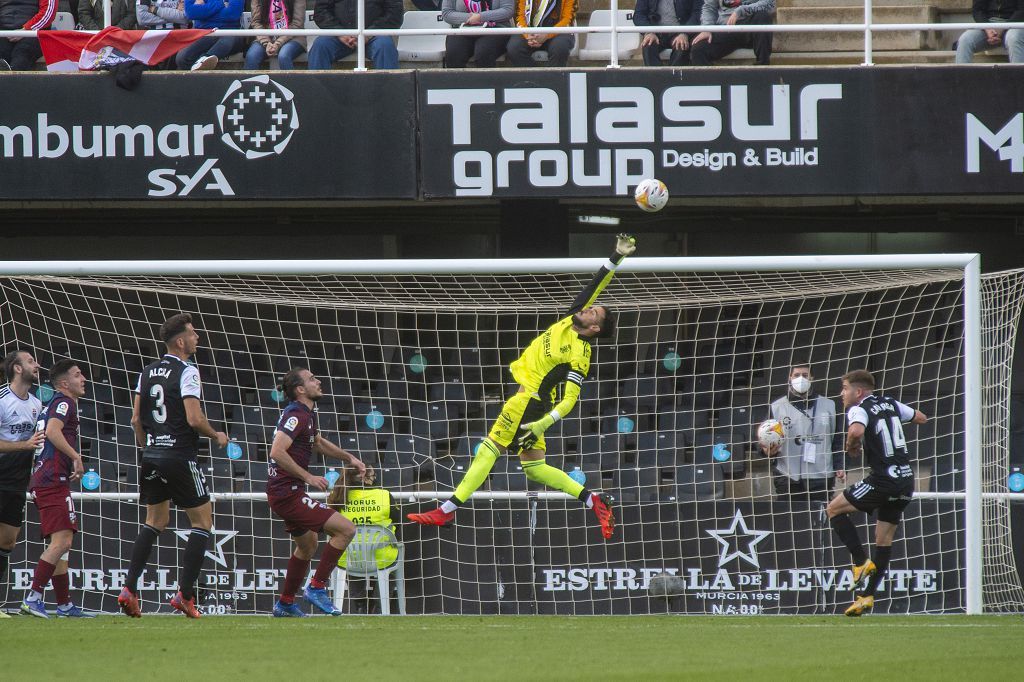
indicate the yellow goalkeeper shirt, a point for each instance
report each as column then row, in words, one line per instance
column 558, row 355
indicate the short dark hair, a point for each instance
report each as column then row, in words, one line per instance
column 607, row 325
column 173, row 326
column 61, row 368
column 861, row 378
column 10, row 360
column 799, row 364
column 291, row 381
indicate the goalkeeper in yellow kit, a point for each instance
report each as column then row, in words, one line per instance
column 560, row 355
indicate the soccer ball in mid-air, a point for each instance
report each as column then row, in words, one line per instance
column 651, row 195
column 770, row 433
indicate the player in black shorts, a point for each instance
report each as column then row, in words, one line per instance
column 168, row 420
column 874, row 427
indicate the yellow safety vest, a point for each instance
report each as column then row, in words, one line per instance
column 371, row 508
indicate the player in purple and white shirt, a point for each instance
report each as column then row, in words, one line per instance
column 57, row 463
column 296, row 437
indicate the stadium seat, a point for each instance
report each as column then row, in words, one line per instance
column 361, row 562
column 421, row 48
column 697, row 482
column 742, row 421
column 598, row 46
column 63, row 21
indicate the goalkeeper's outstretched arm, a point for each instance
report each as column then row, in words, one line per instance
column 625, row 245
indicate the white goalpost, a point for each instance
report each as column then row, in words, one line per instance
column 414, row 355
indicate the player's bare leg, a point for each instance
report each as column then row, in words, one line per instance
column 201, row 518
column 298, row 569
column 341, row 532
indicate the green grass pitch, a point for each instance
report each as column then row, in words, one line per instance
column 514, row 647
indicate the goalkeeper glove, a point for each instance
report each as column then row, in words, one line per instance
column 533, row 431
column 625, row 244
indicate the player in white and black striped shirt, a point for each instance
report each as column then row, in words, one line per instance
column 168, row 420
column 874, row 428
column 19, row 410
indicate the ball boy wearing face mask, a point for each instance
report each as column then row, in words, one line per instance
column 807, row 462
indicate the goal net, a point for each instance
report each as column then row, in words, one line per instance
column 414, row 363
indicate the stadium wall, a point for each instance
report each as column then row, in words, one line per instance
column 530, row 557
column 431, row 134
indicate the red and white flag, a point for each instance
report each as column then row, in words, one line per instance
column 80, row 51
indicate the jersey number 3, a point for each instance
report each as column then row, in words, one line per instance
column 156, row 391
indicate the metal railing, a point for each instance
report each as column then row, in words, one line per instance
column 614, row 29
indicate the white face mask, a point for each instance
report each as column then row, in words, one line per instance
column 800, row 384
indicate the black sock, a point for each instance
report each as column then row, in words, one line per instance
column 5, row 558
column 140, row 556
column 847, row 532
column 882, row 555
column 195, row 552
column 584, row 495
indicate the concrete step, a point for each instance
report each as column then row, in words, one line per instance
column 906, row 57
column 943, row 6
column 834, row 41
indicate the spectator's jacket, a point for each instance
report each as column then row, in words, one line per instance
column 455, row 12
column 718, row 11
column 551, row 13
column 687, row 12
column 296, row 19
column 166, row 16
column 122, row 14
column 985, row 11
column 30, row 15
column 342, row 13
column 215, row 13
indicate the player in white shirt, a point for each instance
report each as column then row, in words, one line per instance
column 19, row 410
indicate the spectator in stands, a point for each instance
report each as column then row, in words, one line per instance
column 667, row 13
column 484, row 50
column 710, row 47
column 122, row 14
column 342, row 14
column 21, row 54
column 977, row 39
column 538, row 14
column 364, row 505
column 160, row 14
column 205, row 53
column 810, row 458
column 276, row 14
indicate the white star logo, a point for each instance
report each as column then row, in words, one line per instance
column 220, row 537
column 731, row 539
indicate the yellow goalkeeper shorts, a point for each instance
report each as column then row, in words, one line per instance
column 522, row 408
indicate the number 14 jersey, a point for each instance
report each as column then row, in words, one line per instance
column 885, row 446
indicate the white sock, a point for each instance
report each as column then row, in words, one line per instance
column 448, row 506
column 590, row 501
column 33, row 596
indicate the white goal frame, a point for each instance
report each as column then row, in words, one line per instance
column 969, row 263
